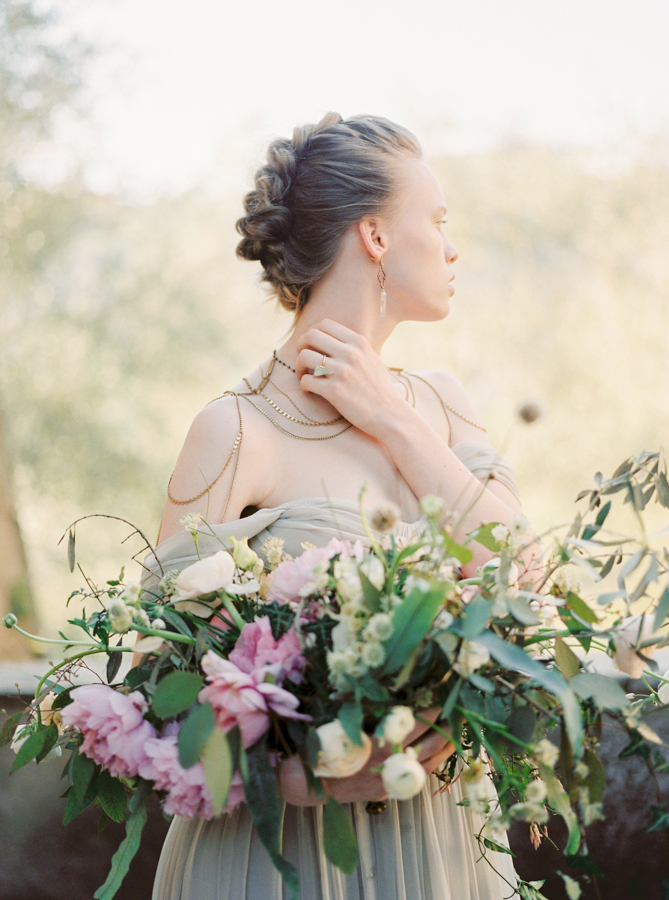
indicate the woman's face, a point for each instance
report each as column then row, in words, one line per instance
column 419, row 259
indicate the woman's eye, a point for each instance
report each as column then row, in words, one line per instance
column 443, row 221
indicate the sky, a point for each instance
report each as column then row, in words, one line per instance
column 187, row 94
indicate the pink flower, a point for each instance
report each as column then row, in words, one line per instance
column 256, row 648
column 293, row 577
column 187, row 792
column 244, row 699
column 113, row 725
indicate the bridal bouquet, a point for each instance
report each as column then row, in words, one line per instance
column 248, row 660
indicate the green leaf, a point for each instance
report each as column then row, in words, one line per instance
column 124, row 855
column 263, row 803
column 521, row 611
column 662, row 489
column 8, row 728
column 112, row 796
column 50, row 739
column 498, row 848
column 350, row 716
column 217, row 765
column 412, row 620
column 340, row 845
column 451, row 548
column 81, row 775
column 312, row 747
column 606, row 692
column 194, row 734
column 566, row 658
column 522, row 722
column 580, row 608
column 659, row 819
column 70, row 550
column 596, row 780
column 483, row 536
column 608, row 565
column 662, row 608
column 176, row 693
column 514, row 657
column 29, row 749
column 474, row 618
column 371, row 594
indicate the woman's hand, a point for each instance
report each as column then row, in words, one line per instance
column 361, row 388
column 365, row 785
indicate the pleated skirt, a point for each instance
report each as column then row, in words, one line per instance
column 419, row 849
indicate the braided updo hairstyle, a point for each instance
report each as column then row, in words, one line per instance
column 311, row 190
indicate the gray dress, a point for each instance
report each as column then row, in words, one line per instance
column 418, row 849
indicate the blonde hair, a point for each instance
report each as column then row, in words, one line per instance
column 311, row 189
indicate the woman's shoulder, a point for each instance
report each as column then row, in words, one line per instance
column 465, row 419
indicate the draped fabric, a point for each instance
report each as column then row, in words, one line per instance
column 419, row 849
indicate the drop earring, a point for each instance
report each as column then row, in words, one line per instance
column 381, row 276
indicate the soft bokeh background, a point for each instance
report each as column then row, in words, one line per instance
column 129, row 133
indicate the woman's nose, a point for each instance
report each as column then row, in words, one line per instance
column 451, row 252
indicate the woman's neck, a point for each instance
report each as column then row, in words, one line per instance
column 353, row 302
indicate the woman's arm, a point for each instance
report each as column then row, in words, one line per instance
column 361, row 389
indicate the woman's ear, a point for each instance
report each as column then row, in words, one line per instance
column 373, row 236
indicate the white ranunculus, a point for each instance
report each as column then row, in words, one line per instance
column 403, row 776
column 629, row 635
column 471, row 657
column 373, row 568
column 339, row 756
column 213, row 573
column 398, row 724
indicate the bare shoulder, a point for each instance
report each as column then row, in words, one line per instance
column 461, row 408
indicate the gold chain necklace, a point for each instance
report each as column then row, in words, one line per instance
column 405, row 378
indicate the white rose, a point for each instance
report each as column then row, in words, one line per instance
column 339, row 756
column 632, row 632
column 403, row 776
column 213, row 573
column 471, row 657
column 244, row 557
column 373, row 568
column 398, row 724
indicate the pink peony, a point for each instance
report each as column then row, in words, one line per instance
column 113, row 725
column 256, row 648
column 244, row 699
column 187, row 792
column 293, row 576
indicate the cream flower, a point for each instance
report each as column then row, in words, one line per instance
column 398, row 724
column 373, row 654
column 432, row 506
column 403, row 776
column 272, row 550
column 379, row 628
column 120, row 615
column 471, row 657
column 213, row 573
column 191, row 521
column 339, row 756
column 545, row 753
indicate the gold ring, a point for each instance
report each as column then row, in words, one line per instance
column 322, row 370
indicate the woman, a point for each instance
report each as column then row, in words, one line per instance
column 347, row 222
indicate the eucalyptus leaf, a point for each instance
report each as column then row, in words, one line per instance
column 411, row 620
column 216, row 761
column 340, row 844
column 194, row 734
column 350, row 716
column 175, row 693
column 606, row 692
column 124, row 855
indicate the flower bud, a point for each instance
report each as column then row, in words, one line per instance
column 244, row 557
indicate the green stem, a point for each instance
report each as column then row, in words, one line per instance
column 59, row 641
column 229, row 605
column 168, row 635
column 70, row 659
